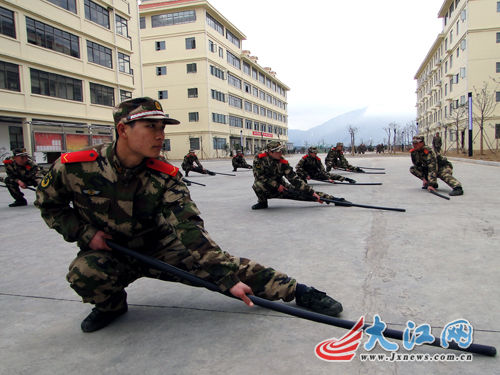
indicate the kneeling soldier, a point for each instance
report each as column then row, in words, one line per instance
column 239, row 161
column 310, row 166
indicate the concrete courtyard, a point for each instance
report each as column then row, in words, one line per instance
column 435, row 263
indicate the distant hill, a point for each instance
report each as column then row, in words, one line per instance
column 370, row 129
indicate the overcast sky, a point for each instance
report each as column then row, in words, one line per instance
column 338, row 56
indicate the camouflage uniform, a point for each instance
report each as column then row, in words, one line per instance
column 312, row 167
column 188, row 164
column 240, row 162
column 148, row 209
column 437, row 143
column 336, row 159
column 428, row 165
column 269, row 174
column 30, row 174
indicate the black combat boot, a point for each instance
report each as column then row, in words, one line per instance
column 259, row 205
column 98, row 319
column 317, row 301
column 234, row 169
column 19, row 202
column 457, row 190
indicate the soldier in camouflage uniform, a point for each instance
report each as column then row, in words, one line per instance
column 188, row 164
column 126, row 192
column 239, row 161
column 437, row 143
column 270, row 169
column 21, row 173
column 310, row 166
column 428, row 166
column 336, row 159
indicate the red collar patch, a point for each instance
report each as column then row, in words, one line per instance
column 79, row 156
column 162, row 166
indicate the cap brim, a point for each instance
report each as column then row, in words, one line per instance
column 166, row 120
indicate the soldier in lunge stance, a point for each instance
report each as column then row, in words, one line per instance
column 124, row 191
column 310, row 166
column 336, row 159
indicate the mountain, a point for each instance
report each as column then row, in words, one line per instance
column 370, row 129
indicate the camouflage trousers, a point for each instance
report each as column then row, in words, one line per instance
column 189, row 168
column 445, row 174
column 263, row 194
column 14, row 188
column 100, row 277
column 241, row 165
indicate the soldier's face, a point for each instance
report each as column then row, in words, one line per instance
column 21, row 160
column 275, row 154
column 418, row 145
column 145, row 138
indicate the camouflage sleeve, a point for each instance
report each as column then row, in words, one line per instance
column 329, row 158
column 299, row 169
column 53, row 199
column 296, row 181
column 263, row 176
column 432, row 167
column 322, row 171
column 344, row 163
column 197, row 161
column 179, row 220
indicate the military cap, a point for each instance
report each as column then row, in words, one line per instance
column 19, row 152
column 339, row 144
column 191, row 150
column 275, row 146
column 141, row 109
column 418, row 138
column 313, row 149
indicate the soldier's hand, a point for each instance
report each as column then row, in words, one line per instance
column 308, row 177
column 21, row 184
column 240, row 290
column 350, row 180
column 98, row 242
column 430, row 188
column 331, row 181
column 281, row 188
column 318, row 198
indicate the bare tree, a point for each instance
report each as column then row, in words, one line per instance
column 352, row 132
column 388, row 132
column 483, row 105
column 394, row 128
column 457, row 114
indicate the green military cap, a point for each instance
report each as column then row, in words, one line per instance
column 275, row 146
column 339, row 144
column 312, row 149
column 141, row 109
column 19, row 152
column 418, row 138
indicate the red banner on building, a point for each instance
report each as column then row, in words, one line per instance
column 48, row 142
column 269, row 135
column 75, row 142
column 256, row 133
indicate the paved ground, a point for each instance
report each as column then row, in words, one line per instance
column 435, row 263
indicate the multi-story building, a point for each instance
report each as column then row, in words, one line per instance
column 194, row 64
column 464, row 58
column 64, row 64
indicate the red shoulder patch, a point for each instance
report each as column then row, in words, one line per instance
column 305, row 157
column 263, row 155
column 28, row 167
column 412, row 150
column 283, row 161
column 426, row 151
column 318, row 158
column 8, row 161
column 162, row 166
column 79, row 156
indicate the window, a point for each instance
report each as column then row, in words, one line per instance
column 9, row 76
column 221, row 52
column 254, row 74
column 234, row 101
column 498, row 67
column 246, row 68
column 234, row 81
column 219, row 143
column 190, row 43
column 7, row 24
column 121, row 25
column 103, row 95
column 498, row 37
column 256, row 126
column 191, row 68
column 66, row 4
column 217, row 95
column 219, row 118
column 161, row 70
column 216, row 25
column 16, row 137
column 46, row 36
column 262, row 78
column 234, row 61
column 142, row 22
column 463, row 44
column 255, row 91
column 462, row 73
column 125, row 95
column 173, row 18
column 99, row 54
column 232, row 38
column 498, row 96
column 160, row 45
column 216, row 72
column 194, row 143
column 497, row 131
column 124, row 63
column 248, row 124
column 55, row 85
column 247, row 87
column 211, row 46
column 194, row 116
column 166, row 145
column 193, row 92
column 248, row 106
column 96, row 13
column 235, row 121
column 262, row 111
column 163, row 94
column 498, row 6
column 256, row 109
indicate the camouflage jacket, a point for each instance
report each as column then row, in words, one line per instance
column 437, row 142
column 30, row 173
column 336, row 159
column 427, row 162
column 146, row 208
column 189, row 160
column 312, row 167
column 239, row 160
column 270, row 172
